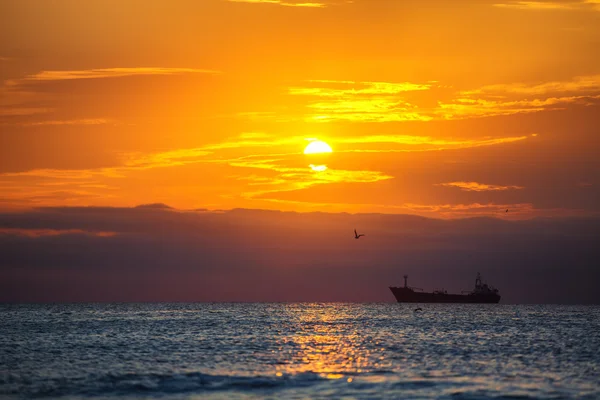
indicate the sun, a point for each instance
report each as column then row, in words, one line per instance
column 316, row 147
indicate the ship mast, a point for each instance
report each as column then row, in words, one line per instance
column 406, row 281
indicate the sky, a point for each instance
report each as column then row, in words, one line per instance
column 432, row 109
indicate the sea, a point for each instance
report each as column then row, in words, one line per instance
column 299, row 351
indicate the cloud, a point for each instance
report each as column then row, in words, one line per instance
column 372, row 110
column 276, row 173
column 85, row 121
column 352, row 88
column 588, row 83
column 361, row 101
column 132, row 162
column 517, row 211
column 526, row 210
column 7, row 111
column 480, row 107
column 97, row 73
column 478, row 187
column 286, row 179
column 156, row 206
column 552, row 5
column 62, row 174
column 515, row 98
column 425, row 143
column 252, row 255
column 36, row 233
column 271, row 166
column 164, row 159
column 283, row 3
column 394, row 102
column 538, row 5
column 21, row 98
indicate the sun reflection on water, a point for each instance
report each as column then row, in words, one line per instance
column 323, row 346
column 318, row 168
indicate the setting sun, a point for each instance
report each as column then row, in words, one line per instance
column 317, row 147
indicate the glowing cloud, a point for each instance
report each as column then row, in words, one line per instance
column 282, row 3
column 552, row 5
column 424, row 143
column 395, row 102
column 361, row 101
column 478, row 187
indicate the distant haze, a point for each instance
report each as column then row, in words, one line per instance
column 155, row 253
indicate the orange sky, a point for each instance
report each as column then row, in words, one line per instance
column 438, row 108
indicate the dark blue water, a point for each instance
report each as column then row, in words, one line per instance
column 287, row 351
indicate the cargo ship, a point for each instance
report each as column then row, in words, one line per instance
column 482, row 293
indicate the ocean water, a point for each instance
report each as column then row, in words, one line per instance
column 298, row 350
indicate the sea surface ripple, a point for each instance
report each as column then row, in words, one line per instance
column 299, row 350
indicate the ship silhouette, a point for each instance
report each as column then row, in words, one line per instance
column 482, row 293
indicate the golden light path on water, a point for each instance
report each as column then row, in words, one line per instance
column 321, row 347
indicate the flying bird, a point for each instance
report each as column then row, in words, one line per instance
column 506, row 210
column 356, row 235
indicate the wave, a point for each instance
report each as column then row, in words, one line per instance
column 155, row 384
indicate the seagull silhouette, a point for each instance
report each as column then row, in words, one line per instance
column 506, row 210
column 356, row 235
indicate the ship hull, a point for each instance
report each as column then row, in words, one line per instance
column 407, row 295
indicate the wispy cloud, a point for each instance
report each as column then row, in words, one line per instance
column 20, row 97
column 536, row 5
column 516, row 210
column 425, row 143
column 372, row 110
column 33, row 193
column 272, row 153
column 518, row 98
column 579, row 84
column 479, row 187
column 131, row 162
column 287, row 179
column 520, row 210
column 35, row 233
column 109, row 73
column 388, row 102
column 552, row 5
column 86, row 121
column 169, row 158
column 446, row 211
column 330, row 88
column 63, row 174
column 361, row 101
column 8, row 111
column 284, row 3
column 270, row 166
column 482, row 107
